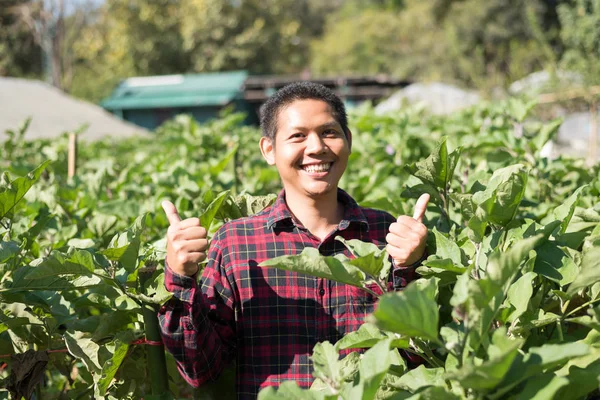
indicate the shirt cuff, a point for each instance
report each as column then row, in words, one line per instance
column 402, row 275
column 182, row 286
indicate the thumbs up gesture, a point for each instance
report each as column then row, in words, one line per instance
column 186, row 242
column 408, row 236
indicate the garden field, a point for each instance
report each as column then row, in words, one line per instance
column 507, row 306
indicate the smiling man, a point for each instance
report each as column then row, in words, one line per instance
column 265, row 320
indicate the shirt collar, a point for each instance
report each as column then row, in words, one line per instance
column 280, row 214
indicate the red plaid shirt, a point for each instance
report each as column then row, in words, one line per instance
column 267, row 320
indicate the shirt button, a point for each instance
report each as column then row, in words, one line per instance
column 321, row 292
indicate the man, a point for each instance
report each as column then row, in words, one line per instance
column 268, row 320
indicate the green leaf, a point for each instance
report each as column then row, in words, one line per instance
column 438, row 168
column 101, row 224
column 412, row 312
column 586, row 320
column 349, row 366
column 373, row 366
column 109, row 324
column 85, row 350
column 21, row 281
column 125, row 247
column 545, row 134
column 590, row 270
column 311, row 262
column 420, row 377
column 555, row 264
column 368, row 335
column 369, row 258
column 490, row 373
column 289, row 390
column 15, row 191
column 520, row 293
column 8, row 250
column 81, row 262
column 250, row 205
column 583, row 379
column 446, row 248
column 499, row 202
column 565, row 211
column 434, row 393
column 325, row 362
column 437, row 265
column 502, row 266
column 222, row 164
column 110, row 368
column 414, row 192
column 209, row 213
column 544, row 387
column 520, row 108
column 158, row 292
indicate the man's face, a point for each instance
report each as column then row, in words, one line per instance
column 310, row 150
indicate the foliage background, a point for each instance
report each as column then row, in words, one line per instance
column 87, row 46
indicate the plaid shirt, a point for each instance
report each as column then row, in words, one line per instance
column 265, row 319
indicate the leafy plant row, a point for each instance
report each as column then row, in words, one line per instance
column 505, row 307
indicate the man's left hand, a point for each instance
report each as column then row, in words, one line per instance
column 408, row 236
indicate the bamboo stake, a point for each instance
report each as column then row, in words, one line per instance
column 72, row 156
column 593, row 138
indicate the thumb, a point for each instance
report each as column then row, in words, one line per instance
column 171, row 212
column 420, row 207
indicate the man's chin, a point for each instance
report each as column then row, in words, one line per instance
column 319, row 193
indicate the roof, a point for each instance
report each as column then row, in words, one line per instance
column 169, row 91
column 351, row 88
column 54, row 112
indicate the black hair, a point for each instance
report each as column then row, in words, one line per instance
column 269, row 112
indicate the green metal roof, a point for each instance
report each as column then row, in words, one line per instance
column 168, row 91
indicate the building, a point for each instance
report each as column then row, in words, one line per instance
column 149, row 101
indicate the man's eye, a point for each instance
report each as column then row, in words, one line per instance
column 297, row 135
column 330, row 132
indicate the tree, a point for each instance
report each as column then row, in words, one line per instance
column 263, row 36
column 19, row 54
column 54, row 31
column 580, row 21
column 476, row 43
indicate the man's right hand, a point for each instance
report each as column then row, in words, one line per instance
column 186, row 242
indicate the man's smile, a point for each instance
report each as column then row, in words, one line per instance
column 317, row 167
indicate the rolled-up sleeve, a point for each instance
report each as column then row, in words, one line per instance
column 197, row 324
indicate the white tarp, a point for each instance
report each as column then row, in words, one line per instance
column 438, row 98
column 54, row 112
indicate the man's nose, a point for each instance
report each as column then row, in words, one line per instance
column 315, row 144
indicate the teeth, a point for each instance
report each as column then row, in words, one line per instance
column 317, row 167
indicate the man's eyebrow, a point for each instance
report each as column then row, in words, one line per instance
column 332, row 124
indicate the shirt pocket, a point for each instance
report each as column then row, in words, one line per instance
column 361, row 302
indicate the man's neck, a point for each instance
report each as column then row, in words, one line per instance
column 319, row 215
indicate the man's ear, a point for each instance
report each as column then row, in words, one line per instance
column 349, row 137
column 267, row 149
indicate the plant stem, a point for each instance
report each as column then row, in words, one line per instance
column 476, row 266
column 431, row 358
column 581, row 307
column 560, row 331
column 370, row 291
column 447, row 205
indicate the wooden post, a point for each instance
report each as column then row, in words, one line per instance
column 593, row 138
column 72, row 156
